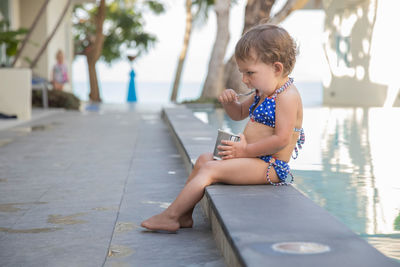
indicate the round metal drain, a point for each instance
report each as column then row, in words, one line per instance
column 300, row 248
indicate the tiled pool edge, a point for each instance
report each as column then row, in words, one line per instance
column 232, row 258
column 185, row 128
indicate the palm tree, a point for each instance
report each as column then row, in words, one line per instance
column 202, row 7
column 93, row 52
column 46, row 43
column 28, row 35
column 257, row 11
column 214, row 83
column 124, row 29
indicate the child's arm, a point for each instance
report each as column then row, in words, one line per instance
column 235, row 109
column 286, row 114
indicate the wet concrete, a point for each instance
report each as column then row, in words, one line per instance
column 4, row 142
column 69, row 219
column 12, row 207
column 119, row 251
column 34, row 128
column 74, row 187
column 28, row 231
column 123, row 227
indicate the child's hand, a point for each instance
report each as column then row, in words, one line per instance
column 231, row 149
column 228, row 96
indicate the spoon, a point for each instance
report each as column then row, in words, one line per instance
column 249, row 93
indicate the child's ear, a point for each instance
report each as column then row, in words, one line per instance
column 278, row 66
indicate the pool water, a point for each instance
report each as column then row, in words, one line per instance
column 348, row 165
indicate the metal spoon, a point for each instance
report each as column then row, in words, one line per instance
column 249, row 93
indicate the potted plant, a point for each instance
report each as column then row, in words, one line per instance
column 15, row 85
column 9, row 41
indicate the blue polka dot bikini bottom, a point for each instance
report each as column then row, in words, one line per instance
column 281, row 167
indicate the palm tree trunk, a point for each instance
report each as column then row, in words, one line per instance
column 214, row 83
column 94, row 94
column 287, row 9
column 44, row 46
column 93, row 53
column 182, row 56
column 28, row 35
column 255, row 11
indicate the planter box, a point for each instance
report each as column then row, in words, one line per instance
column 15, row 92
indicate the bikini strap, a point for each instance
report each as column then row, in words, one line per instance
column 272, row 163
column 282, row 88
column 253, row 106
column 299, row 143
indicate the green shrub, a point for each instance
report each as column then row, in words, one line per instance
column 57, row 99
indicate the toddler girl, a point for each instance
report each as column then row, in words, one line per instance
column 60, row 74
column 265, row 55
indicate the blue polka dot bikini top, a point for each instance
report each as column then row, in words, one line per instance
column 265, row 112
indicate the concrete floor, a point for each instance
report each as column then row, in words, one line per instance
column 74, row 187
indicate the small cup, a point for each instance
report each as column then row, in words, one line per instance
column 223, row 135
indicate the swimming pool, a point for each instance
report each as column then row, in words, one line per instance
column 348, row 165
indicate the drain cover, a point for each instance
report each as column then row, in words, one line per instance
column 300, row 248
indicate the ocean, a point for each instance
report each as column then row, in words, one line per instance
column 146, row 92
column 160, row 92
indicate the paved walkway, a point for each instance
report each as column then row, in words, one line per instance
column 74, row 187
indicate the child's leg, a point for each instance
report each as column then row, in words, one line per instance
column 233, row 171
column 201, row 160
column 186, row 220
column 57, row 86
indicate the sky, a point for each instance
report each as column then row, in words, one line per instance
column 159, row 64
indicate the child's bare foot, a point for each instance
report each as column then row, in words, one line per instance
column 161, row 222
column 186, row 221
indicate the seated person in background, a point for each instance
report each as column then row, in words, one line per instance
column 60, row 74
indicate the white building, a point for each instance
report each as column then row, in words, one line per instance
column 15, row 84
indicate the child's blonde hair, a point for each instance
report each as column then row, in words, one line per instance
column 59, row 53
column 270, row 44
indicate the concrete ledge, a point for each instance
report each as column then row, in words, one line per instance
column 247, row 221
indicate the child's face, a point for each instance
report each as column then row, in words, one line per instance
column 60, row 58
column 259, row 75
